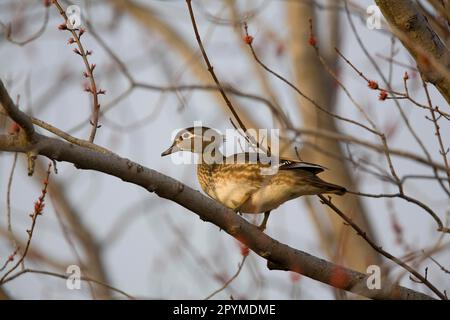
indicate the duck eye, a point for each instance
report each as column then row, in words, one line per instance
column 185, row 135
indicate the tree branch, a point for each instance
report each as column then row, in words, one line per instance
column 417, row 35
column 208, row 210
column 14, row 113
column 276, row 253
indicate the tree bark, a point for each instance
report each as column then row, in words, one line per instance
column 417, row 35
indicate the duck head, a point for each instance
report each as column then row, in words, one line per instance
column 200, row 140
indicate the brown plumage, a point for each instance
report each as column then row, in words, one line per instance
column 238, row 181
column 243, row 187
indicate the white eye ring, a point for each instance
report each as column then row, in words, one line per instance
column 185, row 135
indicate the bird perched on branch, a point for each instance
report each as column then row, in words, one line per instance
column 244, row 182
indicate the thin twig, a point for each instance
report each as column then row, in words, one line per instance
column 228, row 282
column 435, row 120
column 8, row 203
column 31, row 38
column 60, row 133
column 216, row 80
column 444, row 269
column 389, row 89
column 379, row 249
column 441, row 227
column 210, row 67
column 303, row 95
column 89, row 72
column 38, row 208
column 63, row 276
column 15, row 114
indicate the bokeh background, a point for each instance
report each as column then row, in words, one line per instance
column 153, row 248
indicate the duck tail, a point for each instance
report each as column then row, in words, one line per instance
column 334, row 189
column 326, row 187
column 340, row 191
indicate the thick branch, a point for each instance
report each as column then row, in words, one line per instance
column 417, row 35
column 276, row 253
column 14, row 113
column 208, row 210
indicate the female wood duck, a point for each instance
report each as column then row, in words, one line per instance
column 239, row 181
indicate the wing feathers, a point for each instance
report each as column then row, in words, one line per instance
column 284, row 164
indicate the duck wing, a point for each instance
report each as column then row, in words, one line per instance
column 284, row 163
column 287, row 164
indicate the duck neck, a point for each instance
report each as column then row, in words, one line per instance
column 214, row 156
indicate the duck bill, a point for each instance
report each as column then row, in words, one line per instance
column 171, row 150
